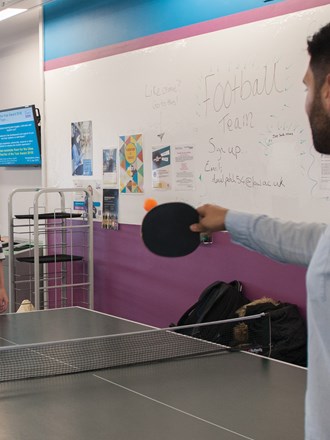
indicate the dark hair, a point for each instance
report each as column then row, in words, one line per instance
column 318, row 47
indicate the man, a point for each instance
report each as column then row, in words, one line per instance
column 3, row 293
column 300, row 243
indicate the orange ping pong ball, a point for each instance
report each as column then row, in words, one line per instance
column 149, row 204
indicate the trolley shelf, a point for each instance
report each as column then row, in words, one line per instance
column 57, row 258
column 48, row 215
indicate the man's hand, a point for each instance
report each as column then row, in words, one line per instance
column 3, row 300
column 212, row 219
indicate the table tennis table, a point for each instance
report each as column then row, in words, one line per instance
column 225, row 396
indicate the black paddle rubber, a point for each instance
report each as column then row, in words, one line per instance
column 165, row 229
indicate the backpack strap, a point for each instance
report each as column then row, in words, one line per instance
column 210, row 303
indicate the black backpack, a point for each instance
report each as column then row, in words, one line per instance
column 288, row 332
column 218, row 301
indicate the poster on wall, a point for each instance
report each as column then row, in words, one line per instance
column 161, row 168
column 80, row 202
column 110, row 209
column 131, row 164
column 184, row 161
column 82, row 148
column 110, row 173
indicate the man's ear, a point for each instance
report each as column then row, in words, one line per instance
column 326, row 93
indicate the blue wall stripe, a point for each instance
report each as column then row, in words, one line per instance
column 75, row 26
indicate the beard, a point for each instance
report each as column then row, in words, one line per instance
column 320, row 125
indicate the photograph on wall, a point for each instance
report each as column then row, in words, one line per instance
column 110, row 209
column 80, row 202
column 161, row 168
column 82, row 148
column 131, row 164
column 184, row 163
column 110, row 173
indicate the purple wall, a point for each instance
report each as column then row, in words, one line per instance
column 133, row 283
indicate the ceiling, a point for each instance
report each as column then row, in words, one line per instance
column 21, row 23
column 25, row 4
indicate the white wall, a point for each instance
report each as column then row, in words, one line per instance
column 21, row 77
column 238, row 101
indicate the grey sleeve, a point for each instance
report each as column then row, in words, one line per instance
column 283, row 241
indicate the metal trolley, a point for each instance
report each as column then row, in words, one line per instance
column 51, row 250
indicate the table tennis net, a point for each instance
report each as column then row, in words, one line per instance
column 95, row 353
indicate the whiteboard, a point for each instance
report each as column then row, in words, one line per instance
column 234, row 96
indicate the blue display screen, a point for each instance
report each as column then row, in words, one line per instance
column 19, row 137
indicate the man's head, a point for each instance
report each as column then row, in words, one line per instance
column 317, row 80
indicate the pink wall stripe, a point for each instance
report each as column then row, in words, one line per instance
column 275, row 10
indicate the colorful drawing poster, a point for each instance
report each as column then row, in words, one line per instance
column 161, row 168
column 110, row 209
column 131, row 164
column 80, row 202
column 82, row 148
column 110, row 174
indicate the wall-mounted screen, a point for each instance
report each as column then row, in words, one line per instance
column 20, row 137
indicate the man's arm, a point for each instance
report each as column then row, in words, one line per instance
column 287, row 242
column 283, row 241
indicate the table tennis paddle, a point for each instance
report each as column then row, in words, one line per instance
column 165, row 229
